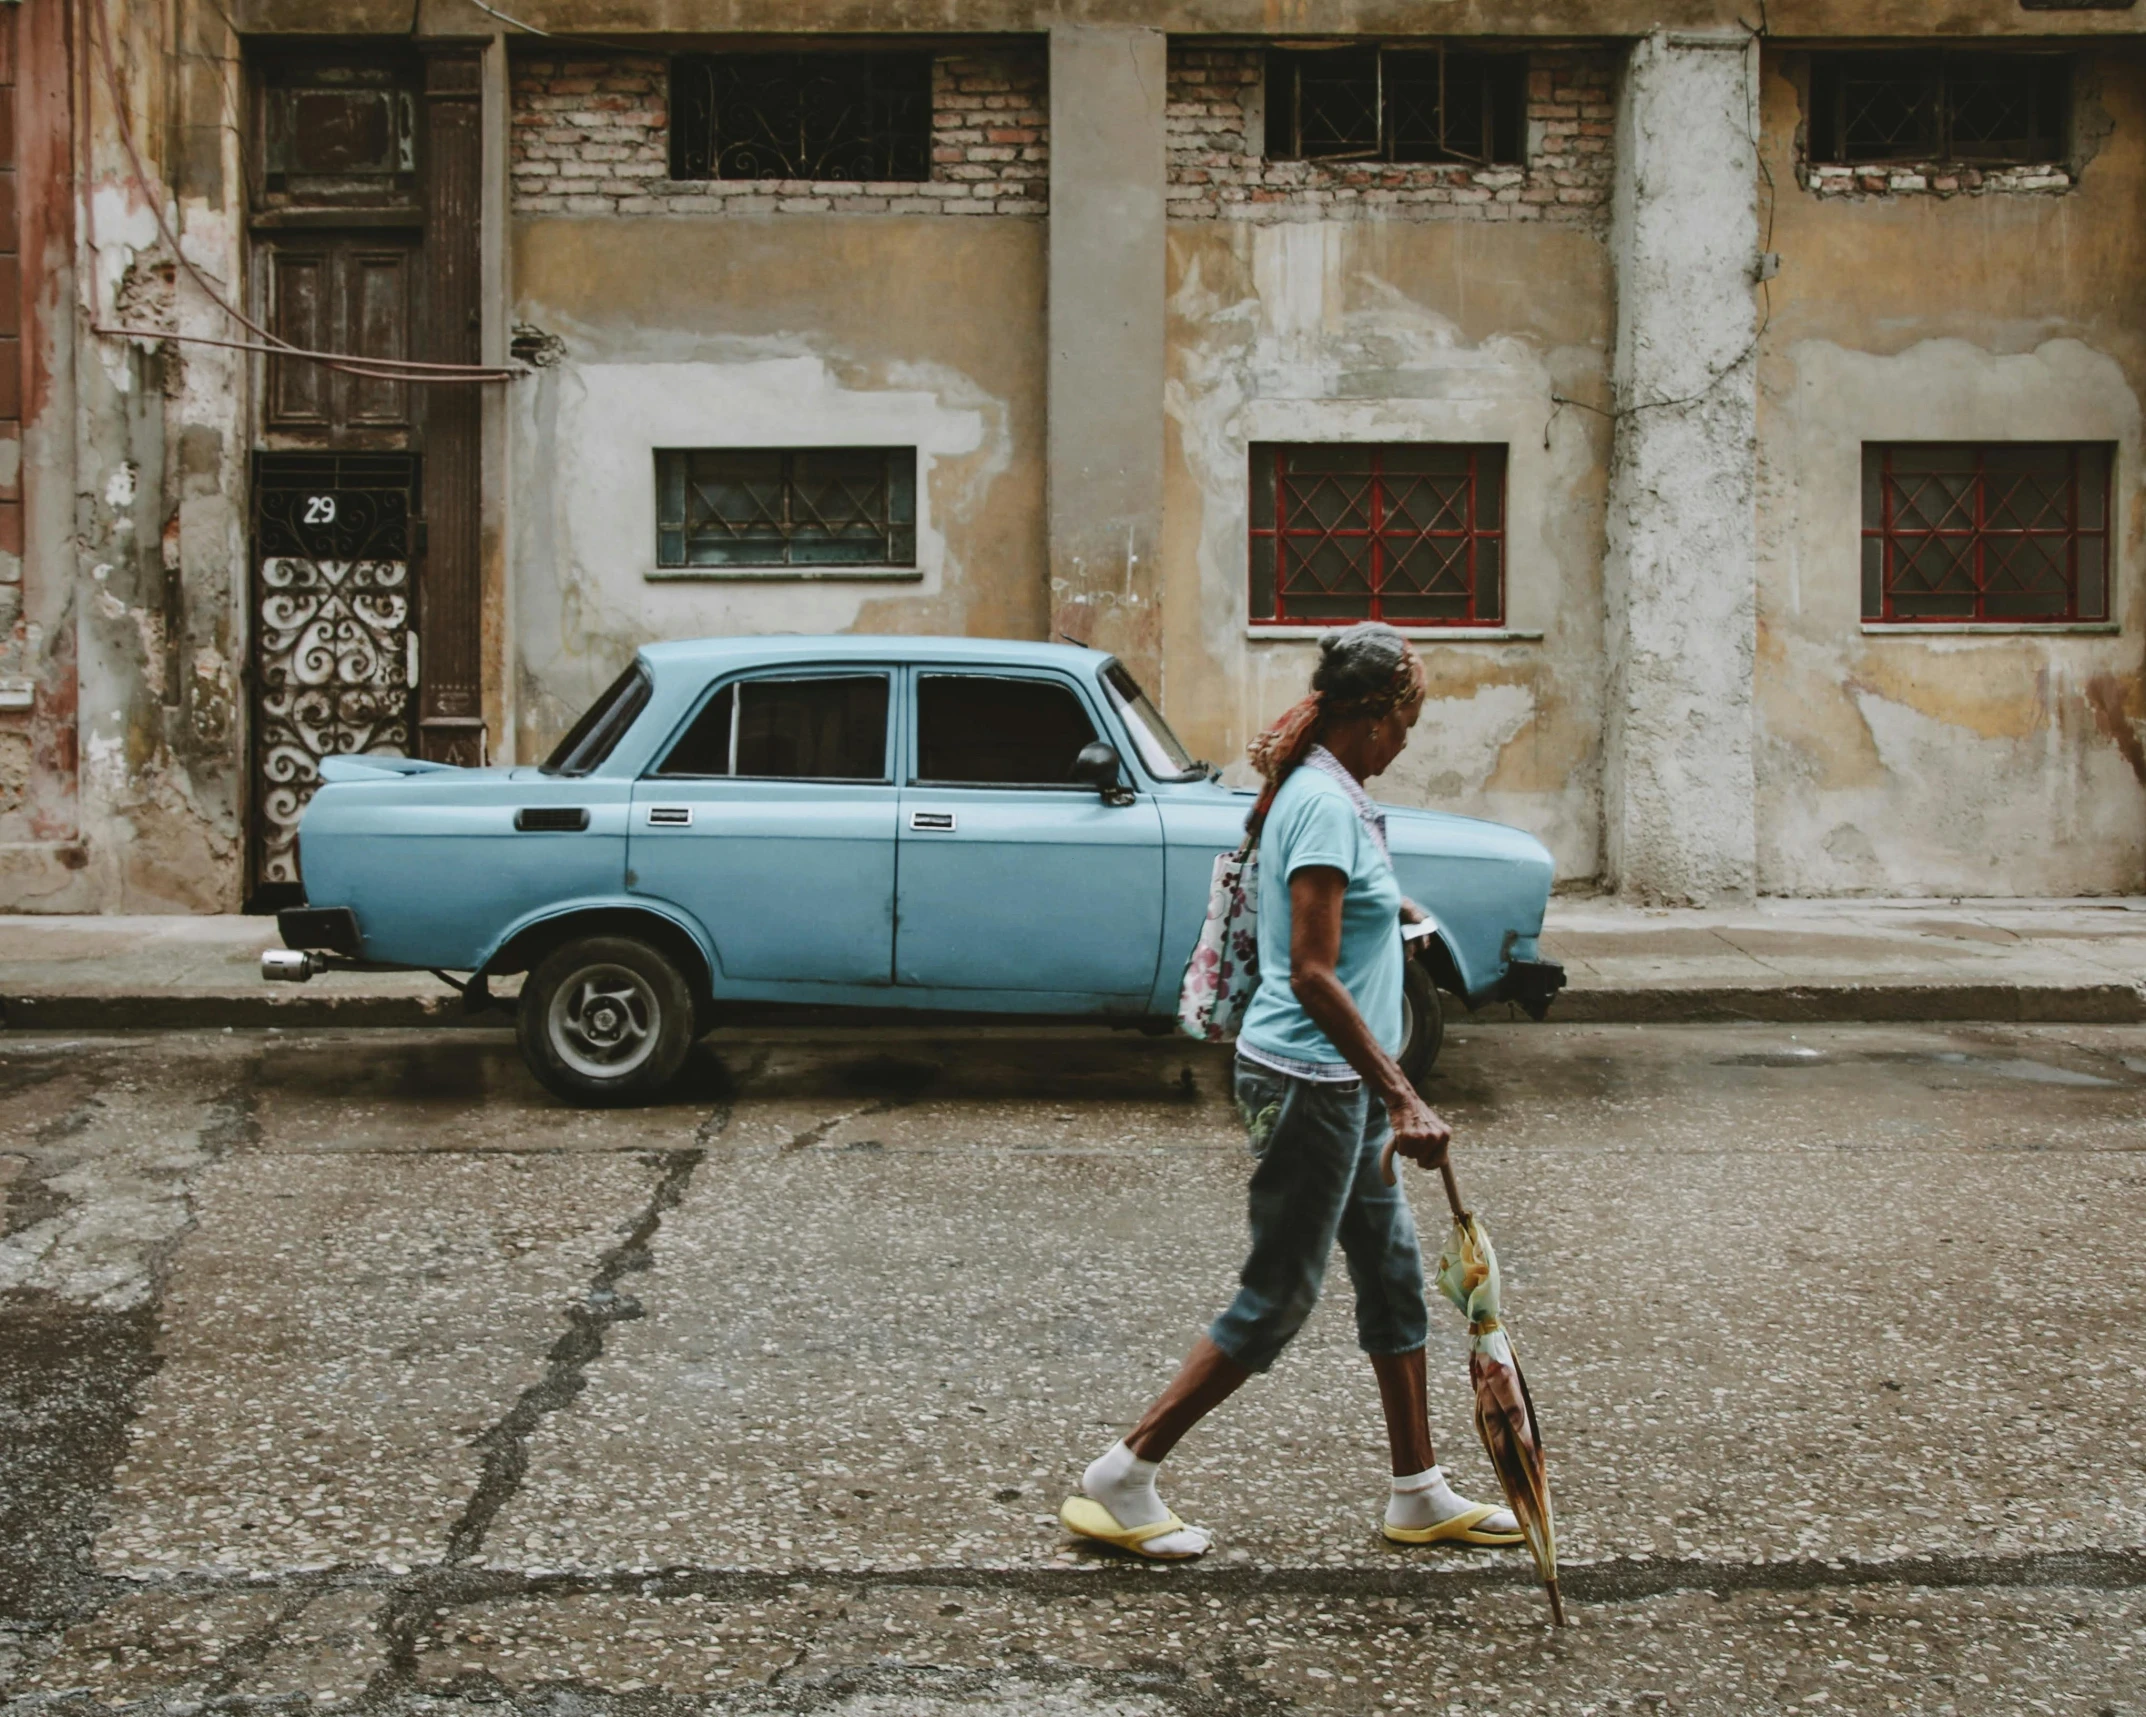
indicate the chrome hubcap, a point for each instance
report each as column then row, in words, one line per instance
column 604, row 1021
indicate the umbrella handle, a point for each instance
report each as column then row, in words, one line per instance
column 1445, row 1173
column 1460, row 1210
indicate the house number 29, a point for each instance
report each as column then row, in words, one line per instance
column 320, row 510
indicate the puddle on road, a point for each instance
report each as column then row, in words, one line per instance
column 1999, row 1067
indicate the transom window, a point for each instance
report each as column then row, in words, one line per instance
column 786, row 506
column 1396, row 104
column 1409, row 533
column 801, row 116
column 1991, row 109
column 2009, row 533
column 828, row 727
column 980, row 731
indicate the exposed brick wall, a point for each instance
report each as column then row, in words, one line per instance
column 592, row 136
column 1216, row 170
column 1896, row 178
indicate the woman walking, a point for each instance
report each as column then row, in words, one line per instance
column 1320, row 1093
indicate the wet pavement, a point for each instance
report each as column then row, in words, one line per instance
column 1787, row 961
column 347, row 1370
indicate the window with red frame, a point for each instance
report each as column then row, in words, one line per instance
column 2006, row 533
column 1412, row 533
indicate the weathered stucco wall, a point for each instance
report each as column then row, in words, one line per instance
column 1991, row 763
column 796, row 330
column 1678, row 572
column 41, row 858
column 1368, row 330
column 156, row 586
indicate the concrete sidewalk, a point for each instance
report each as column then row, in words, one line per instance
column 1817, row 960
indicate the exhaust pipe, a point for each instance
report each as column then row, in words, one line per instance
column 288, row 966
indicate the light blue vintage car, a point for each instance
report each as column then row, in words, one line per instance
column 743, row 827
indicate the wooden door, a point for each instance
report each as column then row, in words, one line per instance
column 340, row 292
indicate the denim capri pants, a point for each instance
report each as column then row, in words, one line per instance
column 1317, row 1181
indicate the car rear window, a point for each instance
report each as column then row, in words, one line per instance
column 975, row 730
column 590, row 740
column 826, row 728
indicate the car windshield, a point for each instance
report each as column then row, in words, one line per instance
column 589, row 741
column 1160, row 749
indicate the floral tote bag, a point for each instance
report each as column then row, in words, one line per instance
column 1224, row 968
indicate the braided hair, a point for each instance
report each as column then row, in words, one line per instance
column 1369, row 669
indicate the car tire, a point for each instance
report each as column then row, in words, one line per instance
column 605, row 1021
column 1423, row 1022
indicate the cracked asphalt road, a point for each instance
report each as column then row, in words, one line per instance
column 348, row 1371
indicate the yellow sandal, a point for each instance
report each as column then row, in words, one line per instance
column 1462, row 1528
column 1086, row 1518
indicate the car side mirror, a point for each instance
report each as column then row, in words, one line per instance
column 1098, row 766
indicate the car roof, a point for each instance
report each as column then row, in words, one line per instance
column 712, row 655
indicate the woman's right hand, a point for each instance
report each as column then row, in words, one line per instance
column 1419, row 1134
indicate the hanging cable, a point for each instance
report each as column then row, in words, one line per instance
column 504, row 19
column 384, row 369
column 349, row 363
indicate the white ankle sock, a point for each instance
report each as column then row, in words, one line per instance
column 1125, row 1484
column 1424, row 1499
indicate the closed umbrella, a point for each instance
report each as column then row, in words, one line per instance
column 1504, row 1411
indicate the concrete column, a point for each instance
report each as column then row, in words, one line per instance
column 1680, row 579
column 1106, row 314
column 495, row 464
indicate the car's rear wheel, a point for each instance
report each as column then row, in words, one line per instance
column 1423, row 1022
column 605, row 1020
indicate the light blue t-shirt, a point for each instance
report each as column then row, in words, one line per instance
column 1311, row 823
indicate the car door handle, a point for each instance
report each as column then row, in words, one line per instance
column 932, row 822
column 551, row 819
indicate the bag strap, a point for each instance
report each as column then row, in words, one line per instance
column 1257, row 821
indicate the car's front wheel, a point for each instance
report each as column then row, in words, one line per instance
column 1423, row 1023
column 605, row 1020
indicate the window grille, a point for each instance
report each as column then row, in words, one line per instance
column 1396, row 104
column 786, row 506
column 1976, row 108
column 2011, row 533
column 1413, row 534
column 859, row 117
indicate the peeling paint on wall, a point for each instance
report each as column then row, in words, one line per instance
column 1956, row 762
column 1361, row 332
column 778, row 344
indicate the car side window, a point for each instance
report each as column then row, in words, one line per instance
column 975, row 730
column 828, row 727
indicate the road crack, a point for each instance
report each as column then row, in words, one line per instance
column 506, row 1444
column 817, row 1132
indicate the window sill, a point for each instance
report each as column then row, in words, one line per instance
column 784, row 575
column 1430, row 634
column 1976, row 628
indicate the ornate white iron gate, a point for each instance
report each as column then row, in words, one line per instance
column 335, row 664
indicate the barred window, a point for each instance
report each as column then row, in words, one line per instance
column 1409, row 533
column 801, row 116
column 2010, row 533
column 786, row 506
column 1982, row 108
column 1396, row 104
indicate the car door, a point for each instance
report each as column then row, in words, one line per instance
column 1013, row 877
column 770, row 818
